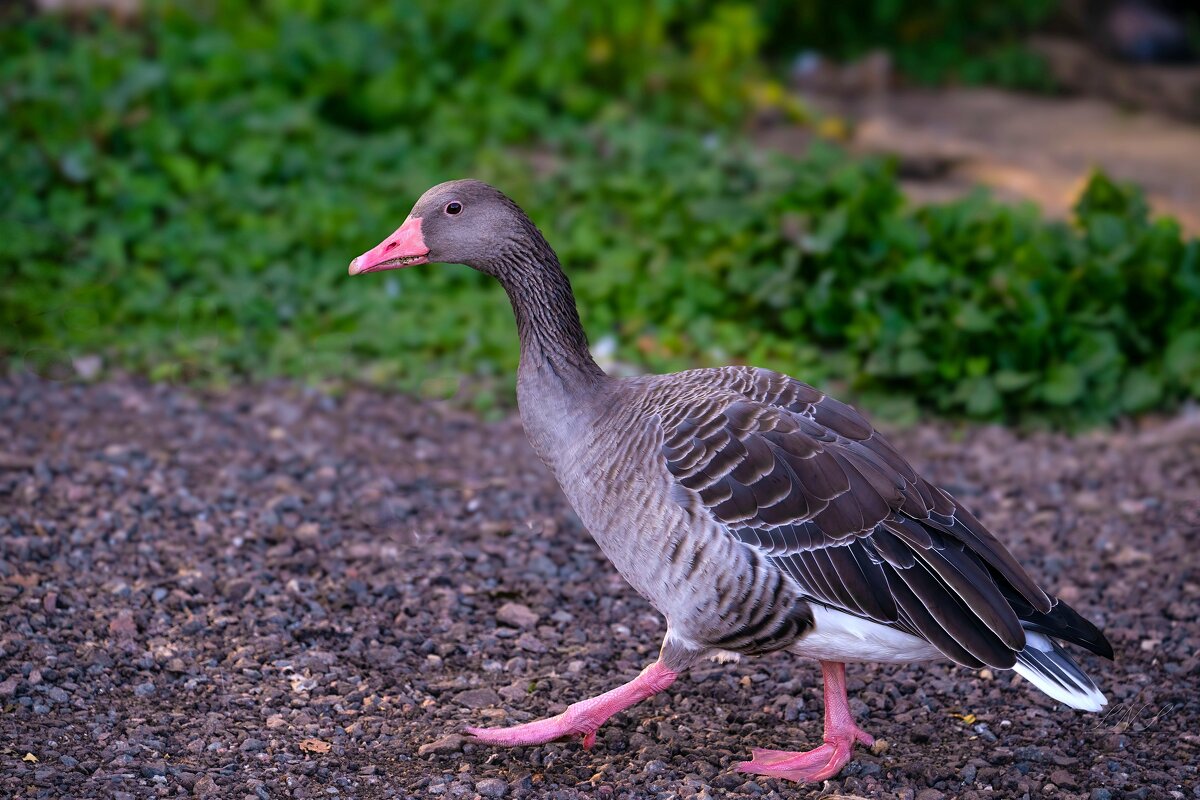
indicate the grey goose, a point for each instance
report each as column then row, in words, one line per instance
column 754, row 512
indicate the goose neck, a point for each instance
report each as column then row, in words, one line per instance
column 553, row 342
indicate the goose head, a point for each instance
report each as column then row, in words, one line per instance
column 458, row 222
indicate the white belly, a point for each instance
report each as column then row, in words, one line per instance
column 837, row 636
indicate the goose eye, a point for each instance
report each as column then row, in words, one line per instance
column 454, row 207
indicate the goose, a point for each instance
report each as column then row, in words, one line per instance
column 754, row 512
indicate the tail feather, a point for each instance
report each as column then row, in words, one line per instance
column 1048, row 667
column 1061, row 621
column 1065, row 623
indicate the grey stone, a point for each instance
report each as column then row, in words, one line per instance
column 447, row 744
column 477, row 698
column 492, row 787
column 517, row 615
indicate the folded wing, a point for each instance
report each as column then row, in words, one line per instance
column 807, row 480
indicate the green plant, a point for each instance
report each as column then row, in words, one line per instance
column 815, row 267
column 182, row 197
column 930, row 42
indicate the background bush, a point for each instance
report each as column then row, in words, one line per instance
column 930, row 41
column 183, row 195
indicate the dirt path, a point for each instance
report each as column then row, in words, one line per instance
column 1023, row 147
column 274, row 593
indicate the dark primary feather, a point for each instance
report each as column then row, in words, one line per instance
column 807, row 480
column 1061, row 622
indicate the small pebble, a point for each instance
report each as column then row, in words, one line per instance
column 477, row 698
column 517, row 615
column 450, row 743
column 491, row 787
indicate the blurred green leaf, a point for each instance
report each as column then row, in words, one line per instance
column 198, row 181
column 1063, row 385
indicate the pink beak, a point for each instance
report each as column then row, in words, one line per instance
column 404, row 248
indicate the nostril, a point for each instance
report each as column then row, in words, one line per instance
column 390, row 246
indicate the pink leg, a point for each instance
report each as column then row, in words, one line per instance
column 585, row 717
column 840, row 735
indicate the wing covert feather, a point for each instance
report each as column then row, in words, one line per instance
column 809, row 482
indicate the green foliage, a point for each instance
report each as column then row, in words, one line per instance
column 184, row 197
column 815, row 267
column 191, row 182
column 931, row 41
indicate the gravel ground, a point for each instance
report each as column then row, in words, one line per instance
column 276, row 593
